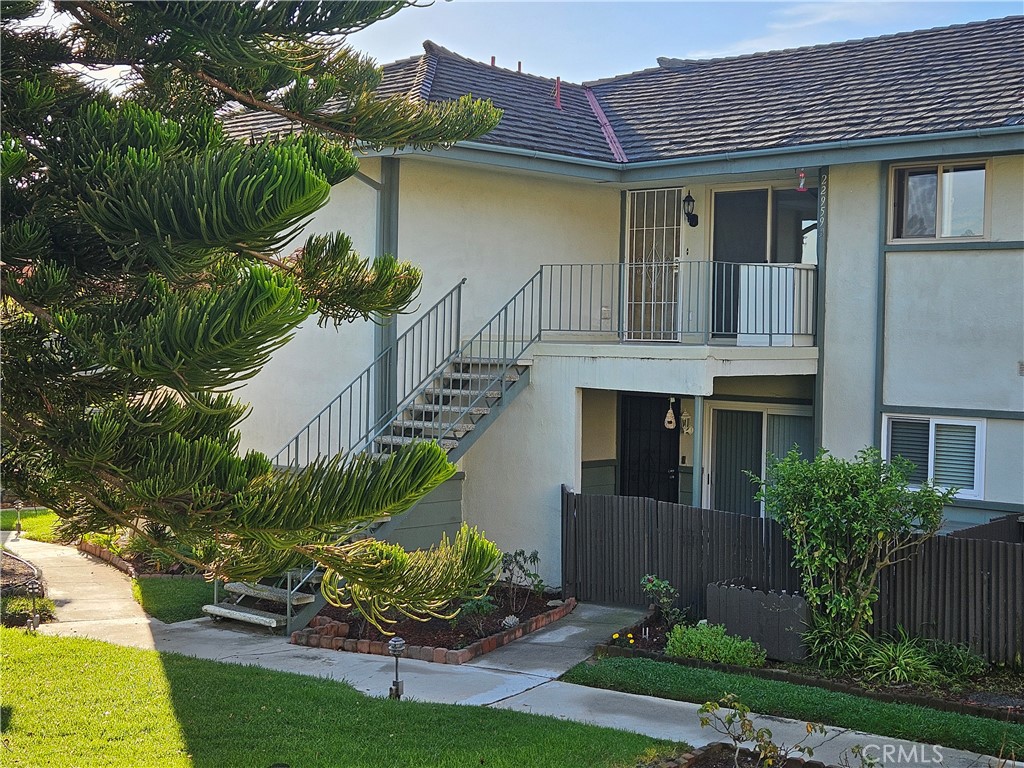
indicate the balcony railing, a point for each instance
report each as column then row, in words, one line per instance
column 688, row 302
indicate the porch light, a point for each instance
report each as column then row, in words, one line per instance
column 685, row 422
column 691, row 217
column 802, row 186
column 670, row 417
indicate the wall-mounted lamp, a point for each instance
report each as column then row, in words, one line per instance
column 691, row 217
column 685, row 422
column 670, row 416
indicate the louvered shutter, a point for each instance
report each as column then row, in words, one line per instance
column 955, row 455
column 909, row 439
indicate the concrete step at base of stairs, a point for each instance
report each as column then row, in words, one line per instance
column 246, row 614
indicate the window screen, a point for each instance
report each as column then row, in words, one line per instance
column 909, row 439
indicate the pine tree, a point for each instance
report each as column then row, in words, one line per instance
column 143, row 281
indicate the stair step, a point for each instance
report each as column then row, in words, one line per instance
column 298, row 574
column 449, row 392
column 459, row 429
column 448, row 445
column 476, row 410
column 264, row 592
column 509, row 376
column 246, row 614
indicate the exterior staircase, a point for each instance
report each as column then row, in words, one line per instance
column 446, row 389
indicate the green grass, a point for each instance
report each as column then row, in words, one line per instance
column 771, row 697
column 172, row 600
column 36, row 524
column 17, row 610
column 81, row 703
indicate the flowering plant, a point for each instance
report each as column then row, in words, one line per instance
column 624, row 640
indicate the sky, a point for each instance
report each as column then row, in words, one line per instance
column 582, row 40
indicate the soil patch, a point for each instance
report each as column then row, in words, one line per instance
column 439, row 633
column 13, row 574
column 722, row 756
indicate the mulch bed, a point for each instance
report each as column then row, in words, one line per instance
column 437, row 640
column 722, row 756
column 998, row 694
column 13, row 574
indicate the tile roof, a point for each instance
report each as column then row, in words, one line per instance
column 933, row 81
column 941, row 80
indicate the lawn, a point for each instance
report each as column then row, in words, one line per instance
column 70, row 702
column 36, row 524
column 771, row 697
column 171, row 600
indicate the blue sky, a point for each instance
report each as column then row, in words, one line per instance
column 587, row 40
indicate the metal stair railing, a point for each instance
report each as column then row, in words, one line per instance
column 350, row 421
column 484, row 360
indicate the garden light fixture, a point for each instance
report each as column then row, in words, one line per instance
column 396, row 647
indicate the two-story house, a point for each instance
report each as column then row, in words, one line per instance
column 671, row 274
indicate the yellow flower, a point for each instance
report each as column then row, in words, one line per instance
column 615, row 636
column 631, row 641
column 630, row 634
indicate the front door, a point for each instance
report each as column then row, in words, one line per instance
column 740, row 237
column 652, row 268
column 648, row 453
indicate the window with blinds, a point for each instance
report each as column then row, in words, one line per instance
column 948, row 451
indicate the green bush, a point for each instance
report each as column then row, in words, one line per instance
column 709, row 642
column 896, row 661
column 957, row 663
column 16, row 610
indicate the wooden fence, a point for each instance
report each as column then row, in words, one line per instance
column 957, row 589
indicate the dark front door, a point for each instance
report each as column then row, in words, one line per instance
column 738, row 449
column 649, row 453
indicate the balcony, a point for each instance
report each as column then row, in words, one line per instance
column 685, row 302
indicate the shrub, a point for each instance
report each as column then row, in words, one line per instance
column 16, row 610
column 847, row 522
column 664, row 597
column 709, row 642
column 957, row 663
column 517, row 571
column 475, row 612
column 897, row 661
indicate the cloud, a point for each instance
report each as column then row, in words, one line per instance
column 801, row 24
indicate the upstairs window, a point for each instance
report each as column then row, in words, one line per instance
column 948, row 451
column 939, row 201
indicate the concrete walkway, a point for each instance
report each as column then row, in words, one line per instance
column 94, row 600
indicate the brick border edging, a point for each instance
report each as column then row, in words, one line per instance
column 784, row 676
column 125, row 567
column 324, row 633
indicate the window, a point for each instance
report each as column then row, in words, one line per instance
column 949, row 451
column 937, row 201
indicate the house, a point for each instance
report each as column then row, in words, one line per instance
column 646, row 284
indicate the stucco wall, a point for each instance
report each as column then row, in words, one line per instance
column 599, row 420
column 317, row 363
column 497, row 229
column 1004, row 460
column 954, row 329
column 848, row 371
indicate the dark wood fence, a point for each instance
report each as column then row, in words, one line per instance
column 957, row 589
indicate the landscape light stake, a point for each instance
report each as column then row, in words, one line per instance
column 396, row 647
column 35, row 590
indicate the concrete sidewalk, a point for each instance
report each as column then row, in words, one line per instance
column 94, row 600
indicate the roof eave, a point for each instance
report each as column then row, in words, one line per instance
column 1000, row 139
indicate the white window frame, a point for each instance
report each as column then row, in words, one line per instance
column 978, row 492
column 939, row 168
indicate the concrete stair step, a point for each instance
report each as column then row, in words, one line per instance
column 396, row 440
column 246, row 614
column 264, row 592
column 435, row 427
column 489, row 376
column 424, row 408
column 449, row 392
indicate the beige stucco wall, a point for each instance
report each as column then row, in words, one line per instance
column 954, row 329
column 599, row 409
column 496, row 229
column 317, row 363
column 848, row 371
column 1006, row 200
